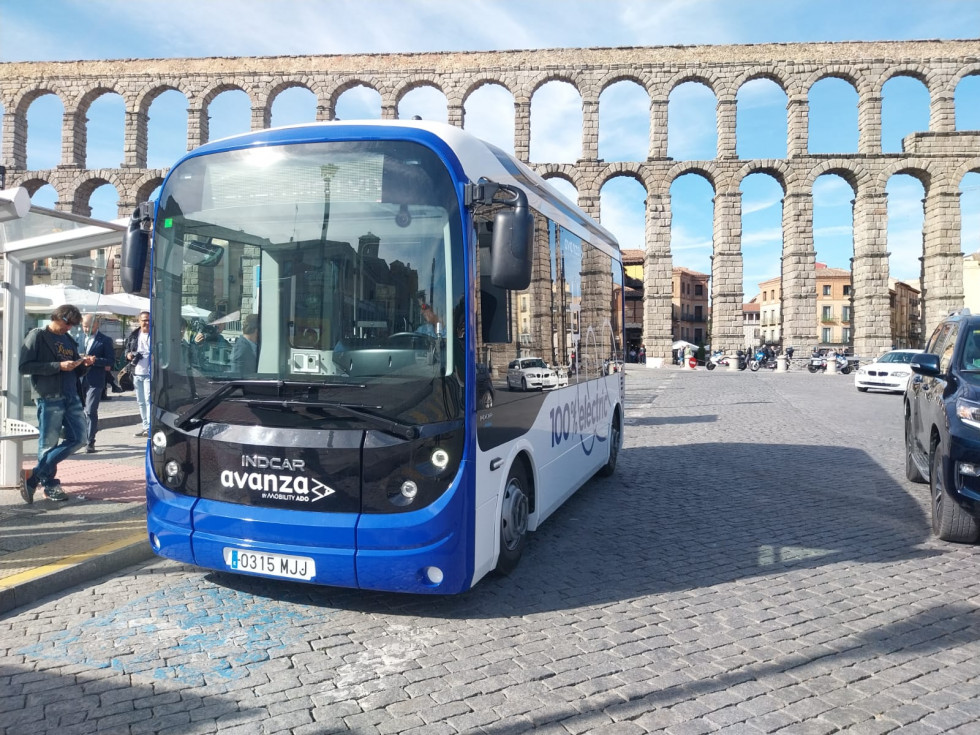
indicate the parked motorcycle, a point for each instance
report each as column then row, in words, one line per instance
column 764, row 358
column 718, row 357
column 743, row 360
column 818, row 363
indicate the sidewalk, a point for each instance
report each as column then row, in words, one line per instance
column 49, row 546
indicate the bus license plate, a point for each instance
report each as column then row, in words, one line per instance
column 275, row 565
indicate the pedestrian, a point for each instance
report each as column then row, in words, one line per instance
column 643, row 354
column 431, row 322
column 101, row 348
column 137, row 351
column 50, row 356
column 245, row 352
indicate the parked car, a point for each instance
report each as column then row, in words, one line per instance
column 890, row 372
column 529, row 373
column 942, row 426
column 484, row 387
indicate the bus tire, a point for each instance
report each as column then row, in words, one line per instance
column 513, row 519
column 615, row 442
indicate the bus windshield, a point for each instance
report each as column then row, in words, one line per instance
column 324, row 279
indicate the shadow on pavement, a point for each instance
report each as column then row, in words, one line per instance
column 741, row 516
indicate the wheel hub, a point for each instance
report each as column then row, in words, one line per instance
column 513, row 516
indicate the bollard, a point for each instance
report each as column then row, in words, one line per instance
column 831, row 365
column 733, row 363
column 781, row 364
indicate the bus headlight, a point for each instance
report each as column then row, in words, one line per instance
column 406, row 493
column 159, row 442
column 440, row 458
column 172, row 476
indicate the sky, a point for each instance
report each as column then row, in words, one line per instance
column 56, row 30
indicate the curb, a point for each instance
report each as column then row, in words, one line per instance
column 97, row 553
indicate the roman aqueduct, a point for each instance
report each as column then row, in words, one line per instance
column 939, row 157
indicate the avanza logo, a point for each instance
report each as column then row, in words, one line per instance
column 271, row 486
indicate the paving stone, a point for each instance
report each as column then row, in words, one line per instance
column 767, row 570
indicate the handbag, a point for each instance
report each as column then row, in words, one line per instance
column 125, row 377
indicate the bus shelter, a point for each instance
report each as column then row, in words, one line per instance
column 29, row 234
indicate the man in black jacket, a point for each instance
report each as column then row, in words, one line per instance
column 50, row 356
column 100, row 347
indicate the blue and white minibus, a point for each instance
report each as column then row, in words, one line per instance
column 341, row 314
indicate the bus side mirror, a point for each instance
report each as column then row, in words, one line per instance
column 511, row 249
column 135, row 248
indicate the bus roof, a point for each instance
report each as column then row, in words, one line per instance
column 477, row 158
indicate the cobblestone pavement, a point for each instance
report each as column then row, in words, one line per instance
column 758, row 564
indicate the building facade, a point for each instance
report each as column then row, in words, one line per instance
column 689, row 303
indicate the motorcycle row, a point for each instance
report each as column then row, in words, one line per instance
column 765, row 358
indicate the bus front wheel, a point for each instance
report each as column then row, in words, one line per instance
column 513, row 519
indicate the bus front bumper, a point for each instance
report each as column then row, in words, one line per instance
column 410, row 552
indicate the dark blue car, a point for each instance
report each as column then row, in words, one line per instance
column 942, row 426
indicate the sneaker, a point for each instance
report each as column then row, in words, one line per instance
column 26, row 490
column 90, row 449
column 55, row 493
column 141, row 433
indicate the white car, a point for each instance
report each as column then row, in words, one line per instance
column 889, row 371
column 528, row 373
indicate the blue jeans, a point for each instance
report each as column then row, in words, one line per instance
column 142, row 385
column 55, row 415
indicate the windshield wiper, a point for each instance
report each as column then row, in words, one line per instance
column 201, row 407
column 403, row 431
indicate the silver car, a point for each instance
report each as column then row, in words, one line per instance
column 531, row 373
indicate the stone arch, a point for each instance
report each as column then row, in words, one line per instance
column 83, row 189
column 34, row 183
column 272, row 93
column 145, row 97
column 917, row 169
column 707, row 79
column 563, row 148
column 776, row 169
column 615, row 77
column 81, row 117
column 486, row 127
column 92, row 94
column 971, row 166
column 420, row 81
column 21, row 133
column 858, row 81
column 611, row 187
column 769, row 73
column 856, row 175
column 683, row 168
column 613, row 135
column 567, row 76
column 483, row 81
column 209, row 94
column 146, row 187
column 421, row 86
column 347, row 83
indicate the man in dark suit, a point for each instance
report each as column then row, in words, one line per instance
column 245, row 352
column 93, row 382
